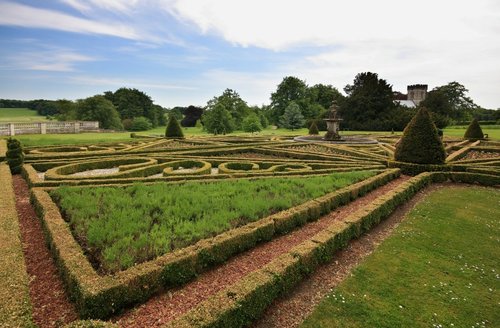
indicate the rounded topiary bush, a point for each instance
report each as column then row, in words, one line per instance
column 174, row 129
column 474, row 131
column 313, row 129
column 420, row 142
column 14, row 155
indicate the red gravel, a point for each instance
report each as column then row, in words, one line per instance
column 169, row 305
column 51, row 306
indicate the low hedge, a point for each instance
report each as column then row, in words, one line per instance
column 199, row 167
column 100, row 296
column 244, row 301
column 238, row 167
column 414, row 169
column 15, row 304
column 3, row 149
column 130, row 164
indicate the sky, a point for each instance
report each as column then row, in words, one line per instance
column 185, row 52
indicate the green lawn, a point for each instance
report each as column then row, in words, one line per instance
column 492, row 131
column 89, row 138
column 123, row 226
column 20, row 115
column 439, row 269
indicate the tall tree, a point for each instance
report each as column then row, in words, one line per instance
column 460, row 106
column 369, row 101
column 292, row 118
column 324, row 95
column 98, row 108
column 218, row 120
column 290, row 89
column 191, row 115
column 132, row 103
column 232, row 102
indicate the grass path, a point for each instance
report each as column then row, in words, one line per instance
column 440, row 269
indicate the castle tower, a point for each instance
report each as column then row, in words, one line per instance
column 417, row 93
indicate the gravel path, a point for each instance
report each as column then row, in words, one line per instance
column 169, row 305
column 51, row 306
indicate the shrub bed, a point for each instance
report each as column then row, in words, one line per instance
column 99, row 297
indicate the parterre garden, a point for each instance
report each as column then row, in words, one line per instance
column 128, row 222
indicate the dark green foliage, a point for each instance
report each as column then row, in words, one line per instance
column 292, row 118
column 98, row 108
column 263, row 120
column 140, row 123
column 191, row 115
column 132, row 103
column 232, row 102
column 369, row 103
column 313, row 129
column 291, row 89
column 420, row 142
column 251, row 123
column 474, row 131
column 174, row 129
column 218, row 120
column 14, row 155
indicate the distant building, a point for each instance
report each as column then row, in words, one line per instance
column 416, row 93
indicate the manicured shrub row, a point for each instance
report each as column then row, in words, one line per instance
column 99, row 297
column 414, row 169
column 63, row 172
column 3, row 149
column 198, row 167
column 244, row 301
column 14, row 155
column 155, row 169
column 472, row 177
column 346, row 154
column 456, row 146
column 15, row 304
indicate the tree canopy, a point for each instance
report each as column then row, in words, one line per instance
column 292, row 118
column 98, row 108
column 232, row 102
column 369, row 101
column 218, row 120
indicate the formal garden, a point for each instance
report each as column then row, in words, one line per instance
column 223, row 231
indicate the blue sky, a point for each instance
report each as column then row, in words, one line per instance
column 183, row 52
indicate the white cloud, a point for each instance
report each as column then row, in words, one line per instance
column 14, row 14
column 47, row 59
column 122, row 6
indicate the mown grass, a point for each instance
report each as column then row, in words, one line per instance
column 439, row 269
column 123, row 226
column 93, row 138
column 20, row 115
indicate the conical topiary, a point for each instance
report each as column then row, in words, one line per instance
column 474, row 131
column 420, row 142
column 313, row 129
column 174, row 129
column 14, row 155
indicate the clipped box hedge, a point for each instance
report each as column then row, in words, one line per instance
column 100, row 296
column 15, row 303
column 244, row 301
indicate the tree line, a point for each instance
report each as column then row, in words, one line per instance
column 368, row 104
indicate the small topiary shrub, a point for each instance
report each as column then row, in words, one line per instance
column 174, row 129
column 14, row 155
column 474, row 131
column 313, row 129
column 420, row 142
